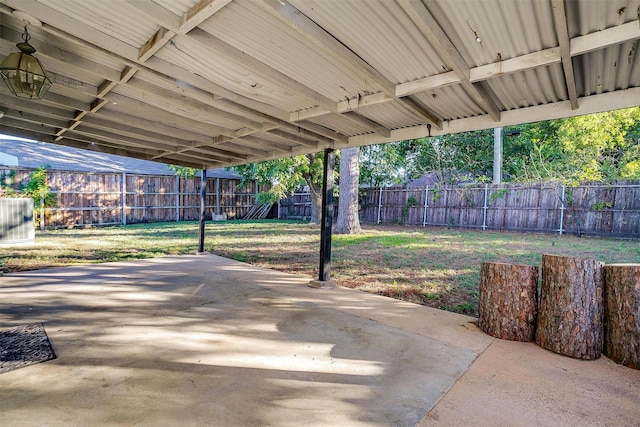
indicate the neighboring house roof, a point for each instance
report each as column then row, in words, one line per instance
column 33, row 154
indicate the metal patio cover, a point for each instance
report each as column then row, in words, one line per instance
column 211, row 83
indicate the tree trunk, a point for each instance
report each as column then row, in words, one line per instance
column 622, row 314
column 316, row 202
column 348, row 221
column 571, row 307
column 315, row 187
column 508, row 301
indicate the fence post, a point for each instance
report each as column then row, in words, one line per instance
column 379, row 204
column 176, row 189
column 123, row 197
column 426, row 205
column 484, row 209
column 562, row 208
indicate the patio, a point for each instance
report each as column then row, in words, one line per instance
column 203, row 340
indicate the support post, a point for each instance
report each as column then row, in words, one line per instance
column 327, row 215
column 217, row 196
column 379, row 203
column 497, row 155
column 123, row 198
column 426, row 206
column 485, row 207
column 203, row 196
column 177, row 191
column 562, row 208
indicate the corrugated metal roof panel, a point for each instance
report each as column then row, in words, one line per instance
column 179, row 7
column 449, row 103
column 531, row 87
column 360, row 23
column 265, row 61
column 261, row 35
column 340, row 124
column 588, row 16
column 117, row 18
column 230, row 75
column 392, row 115
column 528, row 25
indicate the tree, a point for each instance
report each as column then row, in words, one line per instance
column 284, row 176
column 383, row 164
column 596, row 147
column 348, row 221
column 183, row 171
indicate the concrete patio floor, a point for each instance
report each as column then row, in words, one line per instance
column 206, row 341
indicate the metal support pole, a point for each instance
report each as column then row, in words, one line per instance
column 217, row 196
column 426, row 205
column 203, row 195
column 562, row 208
column 497, row 155
column 327, row 215
column 177, row 191
column 485, row 207
column 379, row 203
column 124, row 198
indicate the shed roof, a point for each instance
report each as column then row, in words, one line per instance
column 32, row 155
column 211, row 83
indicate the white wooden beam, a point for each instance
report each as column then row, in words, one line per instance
column 432, row 82
column 562, row 30
column 605, row 38
column 199, row 13
column 155, row 43
column 587, row 105
column 299, row 128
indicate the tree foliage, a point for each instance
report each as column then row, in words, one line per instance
column 597, row 147
column 183, row 171
column 284, row 176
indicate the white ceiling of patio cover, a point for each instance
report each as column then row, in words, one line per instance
column 213, row 83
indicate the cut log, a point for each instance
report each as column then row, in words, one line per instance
column 571, row 307
column 508, row 301
column 622, row 314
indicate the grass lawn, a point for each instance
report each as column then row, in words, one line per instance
column 432, row 266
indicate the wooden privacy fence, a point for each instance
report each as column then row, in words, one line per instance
column 594, row 209
column 86, row 199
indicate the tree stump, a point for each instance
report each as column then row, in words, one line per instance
column 508, row 301
column 622, row 314
column 571, row 307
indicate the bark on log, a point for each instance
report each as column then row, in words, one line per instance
column 571, row 307
column 622, row 314
column 508, row 301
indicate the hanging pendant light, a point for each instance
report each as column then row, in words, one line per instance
column 23, row 73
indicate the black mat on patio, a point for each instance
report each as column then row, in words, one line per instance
column 24, row 345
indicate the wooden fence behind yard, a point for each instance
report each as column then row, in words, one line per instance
column 86, row 199
column 607, row 210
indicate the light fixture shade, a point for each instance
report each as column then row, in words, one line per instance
column 24, row 74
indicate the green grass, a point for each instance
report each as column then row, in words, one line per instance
column 432, row 266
